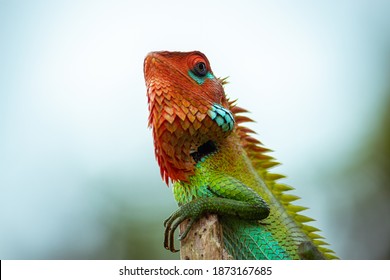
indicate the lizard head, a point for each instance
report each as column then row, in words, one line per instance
column 187, row 109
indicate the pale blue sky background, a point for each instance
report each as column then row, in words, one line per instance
column 73, row 112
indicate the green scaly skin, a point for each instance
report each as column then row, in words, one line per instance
column 256, row 224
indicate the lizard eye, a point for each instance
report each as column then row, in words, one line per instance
column 200, row 69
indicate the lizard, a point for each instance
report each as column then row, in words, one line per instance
column 216, row 166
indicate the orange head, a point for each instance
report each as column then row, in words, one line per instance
column 182, row 95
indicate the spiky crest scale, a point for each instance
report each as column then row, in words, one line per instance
column 262, row 163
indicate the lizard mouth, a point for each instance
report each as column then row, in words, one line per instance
column 204, row 150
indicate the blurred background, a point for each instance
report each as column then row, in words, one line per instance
column 78, row 178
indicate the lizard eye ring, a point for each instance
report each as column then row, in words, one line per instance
column 200, row 69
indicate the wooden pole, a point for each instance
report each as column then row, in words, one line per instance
column 204, row 241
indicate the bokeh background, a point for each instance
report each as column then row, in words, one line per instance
column 78, row 178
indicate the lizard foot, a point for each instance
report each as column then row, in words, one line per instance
column 192, row 210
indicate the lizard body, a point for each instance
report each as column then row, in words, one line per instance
column 217, row 167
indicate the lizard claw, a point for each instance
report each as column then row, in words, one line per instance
column 170, row 225
column 175, row 219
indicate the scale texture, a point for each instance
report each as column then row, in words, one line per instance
column 217, row 167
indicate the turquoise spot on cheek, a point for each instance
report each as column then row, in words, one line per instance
column 228, row 119
column 225, row 127
column 212, row 114
column 221, row 112
column 222, row 116
column 200, row 80
column 220, row 121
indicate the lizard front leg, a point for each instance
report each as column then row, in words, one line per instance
column 229, row 197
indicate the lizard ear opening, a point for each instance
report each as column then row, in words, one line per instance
column 203, row 151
